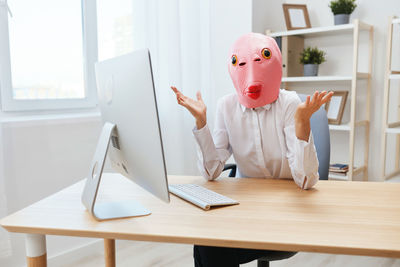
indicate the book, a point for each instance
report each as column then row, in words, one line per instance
column 338, row 168
column 338, row 171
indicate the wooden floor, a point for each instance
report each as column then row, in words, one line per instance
column 146, row 254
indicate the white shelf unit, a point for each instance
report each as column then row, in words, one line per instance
column 354, row 28
column 392, row 127
column 324, row 31
column 334, row 176
column 360, row 75
column 393, row 130
column 341, row 127
column 394, row 76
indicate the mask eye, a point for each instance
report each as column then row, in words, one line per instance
column 234, row 60
column 266, row 53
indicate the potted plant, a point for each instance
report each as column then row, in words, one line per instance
column 311, row 57
column 342, row 9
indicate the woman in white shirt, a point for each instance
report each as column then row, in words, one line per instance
column 267, row 130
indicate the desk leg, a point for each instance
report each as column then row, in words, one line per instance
column 36, row 255
column 109, row 252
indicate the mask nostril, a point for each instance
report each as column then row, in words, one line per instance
column 257, row 59
column 242, row 64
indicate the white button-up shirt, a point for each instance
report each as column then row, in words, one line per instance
column 262, row 140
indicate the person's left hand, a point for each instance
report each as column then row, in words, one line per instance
column 306, row 109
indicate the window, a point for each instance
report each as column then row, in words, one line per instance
column 47, row 54
column 114, row 28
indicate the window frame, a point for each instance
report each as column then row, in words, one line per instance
column 89, row 41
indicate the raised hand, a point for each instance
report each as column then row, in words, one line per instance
column 196, row 107
column 305, row 110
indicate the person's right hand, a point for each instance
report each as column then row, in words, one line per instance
column 197, row 108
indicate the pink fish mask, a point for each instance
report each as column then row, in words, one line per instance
column 255, row 66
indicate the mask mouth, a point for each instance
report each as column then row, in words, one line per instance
column 253, row 91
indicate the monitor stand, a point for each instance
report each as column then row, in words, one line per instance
column 106, row 210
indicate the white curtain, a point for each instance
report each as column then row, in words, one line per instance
column 177, row 34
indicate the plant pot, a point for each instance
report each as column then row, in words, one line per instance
column 341, row 19
column 310, row 69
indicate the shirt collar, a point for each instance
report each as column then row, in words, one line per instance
column 266, row 107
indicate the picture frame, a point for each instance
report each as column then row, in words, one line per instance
column 296, row 16
column 335, row 107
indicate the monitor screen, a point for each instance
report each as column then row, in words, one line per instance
column 127, row 99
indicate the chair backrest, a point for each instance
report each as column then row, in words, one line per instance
column 320, row 131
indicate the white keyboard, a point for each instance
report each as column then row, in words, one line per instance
column 200, row 196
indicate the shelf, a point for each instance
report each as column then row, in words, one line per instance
column 320, row 31
column 316, row 78
column 360, row 75
column 355, row 29
column 391, row 73
column 394, row 76
column 363, row 75
column 393, row 124
column 395, row 130
column 337, row 176
column 346, row 127
column 340, row 127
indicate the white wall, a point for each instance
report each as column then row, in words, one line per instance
column 42, row 157
column 269, row 15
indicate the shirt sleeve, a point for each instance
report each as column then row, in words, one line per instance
column 301, row 155
column 213, row 151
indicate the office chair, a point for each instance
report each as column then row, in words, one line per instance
column 320, row 131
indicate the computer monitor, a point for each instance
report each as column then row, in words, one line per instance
column 131, row 133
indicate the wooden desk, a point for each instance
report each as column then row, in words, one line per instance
column 360, row 218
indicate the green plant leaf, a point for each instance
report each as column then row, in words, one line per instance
column 312, row 55
column 342, row 6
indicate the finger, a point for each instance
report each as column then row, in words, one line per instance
column 327, row 98
column 174, row 89
column 179, row 100
column 177, row 92
column 182, row 96
column 308, row 100
column 199, row 98
column 179, row 95
column 321, row 95
column 318, row 102
column 319, row 99
column 313, row 100
column 184, row 99
column 182, row 103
